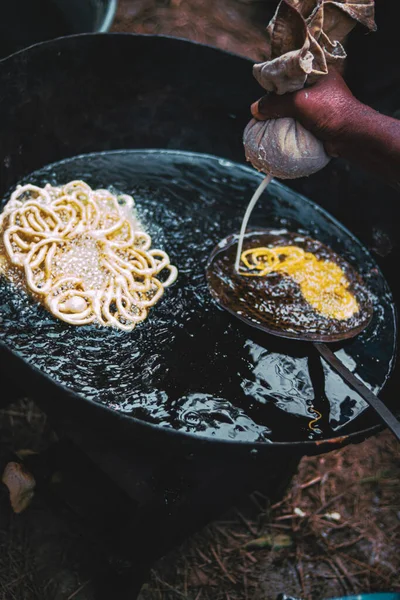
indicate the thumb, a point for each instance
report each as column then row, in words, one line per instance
column 272, row 106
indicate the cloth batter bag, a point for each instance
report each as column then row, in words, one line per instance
column 304, row 38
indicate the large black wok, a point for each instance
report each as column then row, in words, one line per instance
column 95, row 93
column 23, row 22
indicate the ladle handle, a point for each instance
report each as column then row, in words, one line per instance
column 385, row 414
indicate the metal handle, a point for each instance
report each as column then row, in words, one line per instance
column 385, row 414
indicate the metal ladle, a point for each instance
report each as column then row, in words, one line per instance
column 226, row 300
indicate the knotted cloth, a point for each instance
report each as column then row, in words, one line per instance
column 304, row 38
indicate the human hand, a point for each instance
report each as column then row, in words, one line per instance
column 327, row 109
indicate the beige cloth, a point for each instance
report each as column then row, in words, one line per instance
column 283, row 148
column 304, row 38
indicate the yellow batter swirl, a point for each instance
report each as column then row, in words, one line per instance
column 322, row 282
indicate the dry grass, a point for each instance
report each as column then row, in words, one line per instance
column 18, row 575
column 336, row 532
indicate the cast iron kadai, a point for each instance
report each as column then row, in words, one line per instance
column 43, row 121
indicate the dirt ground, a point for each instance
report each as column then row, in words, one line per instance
column 234, row 25
column 336, row 532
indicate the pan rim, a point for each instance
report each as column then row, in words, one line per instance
column 122, row 34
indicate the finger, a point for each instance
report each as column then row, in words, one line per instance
column 273, row 107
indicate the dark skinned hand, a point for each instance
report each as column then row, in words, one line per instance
column 347, row 127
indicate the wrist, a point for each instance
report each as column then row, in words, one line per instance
column 372, row 140
column 352, row 125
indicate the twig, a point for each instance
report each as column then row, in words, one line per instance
column 18, row 579
column 245, row 522
column 345, row 572
column 331, row 501
column 338, row 575
column 256, row 503
column 222, row 566
column 278, row 504
column 12, row 413
column 250, row 557
column 299, row 567
column 261, row 495
column 203, row 556
column 322, row 493
column 363, row 565
column 308, row 484
column 226, row 535
column 170, row 587
column 347, row 544
column 338, row 496
column 80, row 588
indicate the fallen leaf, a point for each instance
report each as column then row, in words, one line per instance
column 20, row 484
column 280, row 540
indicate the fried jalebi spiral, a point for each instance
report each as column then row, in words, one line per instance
column 313, row 422
column 82, row 253
column 322, row 283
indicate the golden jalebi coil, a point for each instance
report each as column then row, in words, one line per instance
column 83, row 254
column 322, row 283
